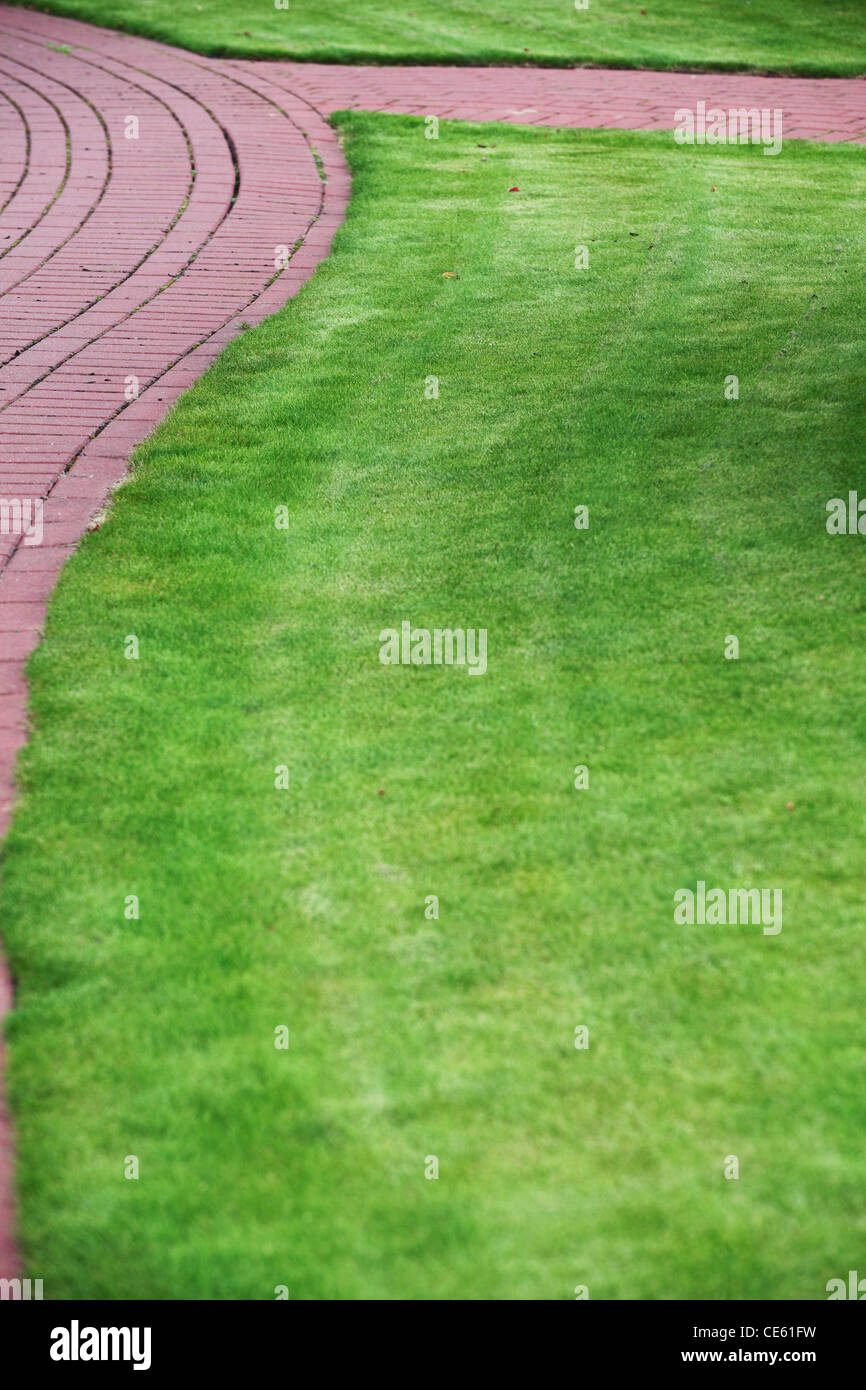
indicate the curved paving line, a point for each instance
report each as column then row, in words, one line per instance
column 61, row 360
column 105, row 291
column 83, row 248
column 26, row 163
column 121, row 407
column 229, row 276
column 32, row 167
column 239, row 305
column 54, row 204
column 188, row 207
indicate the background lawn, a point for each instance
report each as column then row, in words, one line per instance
column 819, row 37
column 306, row 907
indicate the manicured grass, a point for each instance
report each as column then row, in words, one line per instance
column 818, row 37
column 305, row 907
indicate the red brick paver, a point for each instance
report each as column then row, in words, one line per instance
column 126, row 264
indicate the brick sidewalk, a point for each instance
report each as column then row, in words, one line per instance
column 126, row 264
column 813, row 108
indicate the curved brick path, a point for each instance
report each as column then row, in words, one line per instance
column 141, row 257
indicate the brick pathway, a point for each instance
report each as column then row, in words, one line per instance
column 141, row 257
column 814, row 108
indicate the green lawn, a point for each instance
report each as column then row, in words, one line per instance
column 817, row 37
column 259, row 647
